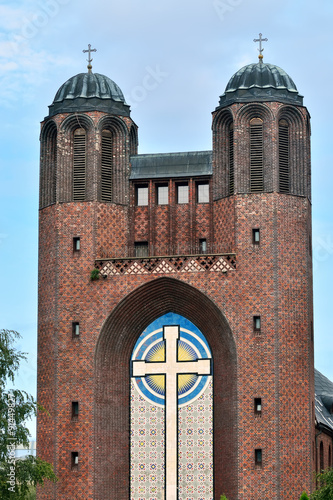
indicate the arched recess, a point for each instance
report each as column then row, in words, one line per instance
column 298, row 157
column 112, row 378
column 223, row 154
column 48, row 164
column 120, row 158
column 251, row 120
column 77, row 131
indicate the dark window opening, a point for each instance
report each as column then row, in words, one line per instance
column 79, row 165
column 141, row 196
column 76, row 244
column 256, row 323
column 256, row 155
column 75, row 409
column 258, row 456
column 75, row 459
column 75, row 329
column 106, row 167
column 231, row 160
column 257, row 406
column 162, row 194
column 182, row 193
column 203, row 245
column 284, row 180
column 141, row 249
column 256, row 236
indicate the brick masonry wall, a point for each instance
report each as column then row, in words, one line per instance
column 94, row 369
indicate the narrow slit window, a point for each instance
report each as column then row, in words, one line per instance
column 256, row 155
column 106, row 167
column 75, row 459
column 203, row 245
column 79, row 165
column 258, row 456
column 76, row 244
column 75, row 409
column 257, row 406
column 256, row 236
column 231, row 160
column 75, row 329
column 284, row 176
column 257, row 323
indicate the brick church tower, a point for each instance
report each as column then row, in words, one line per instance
column 175, row 299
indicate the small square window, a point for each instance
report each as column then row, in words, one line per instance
column 75, row 409
column 257, row 406
column 76, row 244
column 256, row 323
column 203, row 192
column 182, row 193
column 75, row 459
column 258, row 456
column 75, row 329
column 142, row 196
column 203, row 245
column 256, row 236
column 162, row 195
column 141, row 248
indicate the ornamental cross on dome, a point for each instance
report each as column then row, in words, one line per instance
column 261, row 49
column 90, row 50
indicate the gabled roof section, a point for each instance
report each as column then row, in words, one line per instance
column 323, row 400
column 169, row 165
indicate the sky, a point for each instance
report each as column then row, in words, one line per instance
column 172, row 61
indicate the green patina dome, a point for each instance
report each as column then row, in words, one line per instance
column 89, row 92
column 260, row 82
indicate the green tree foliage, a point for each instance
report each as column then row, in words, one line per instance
column 325, row 482
column 304, row 496
column 223, row 497
column 16, row 476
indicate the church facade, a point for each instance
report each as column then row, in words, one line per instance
column 175, row 347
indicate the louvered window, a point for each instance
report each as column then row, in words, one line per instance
column 106, row 174
column 284, row 157
column 79, row 163
column 231, row 160
column 256, row 155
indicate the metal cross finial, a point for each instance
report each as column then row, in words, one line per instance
column 90, row 50
column 260, row 40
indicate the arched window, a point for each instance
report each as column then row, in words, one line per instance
column 284, row 176
column 256, row 155
column 48, row 169
column 171, row 411
column 231, row 160
column 106, row 169
column 321, row 456
column 79, row 165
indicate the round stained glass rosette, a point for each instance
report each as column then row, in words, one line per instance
column 150, row 347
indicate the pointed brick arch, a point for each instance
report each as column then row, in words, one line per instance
column 113, row 351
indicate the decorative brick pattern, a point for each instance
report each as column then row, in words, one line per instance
column 167, row 265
